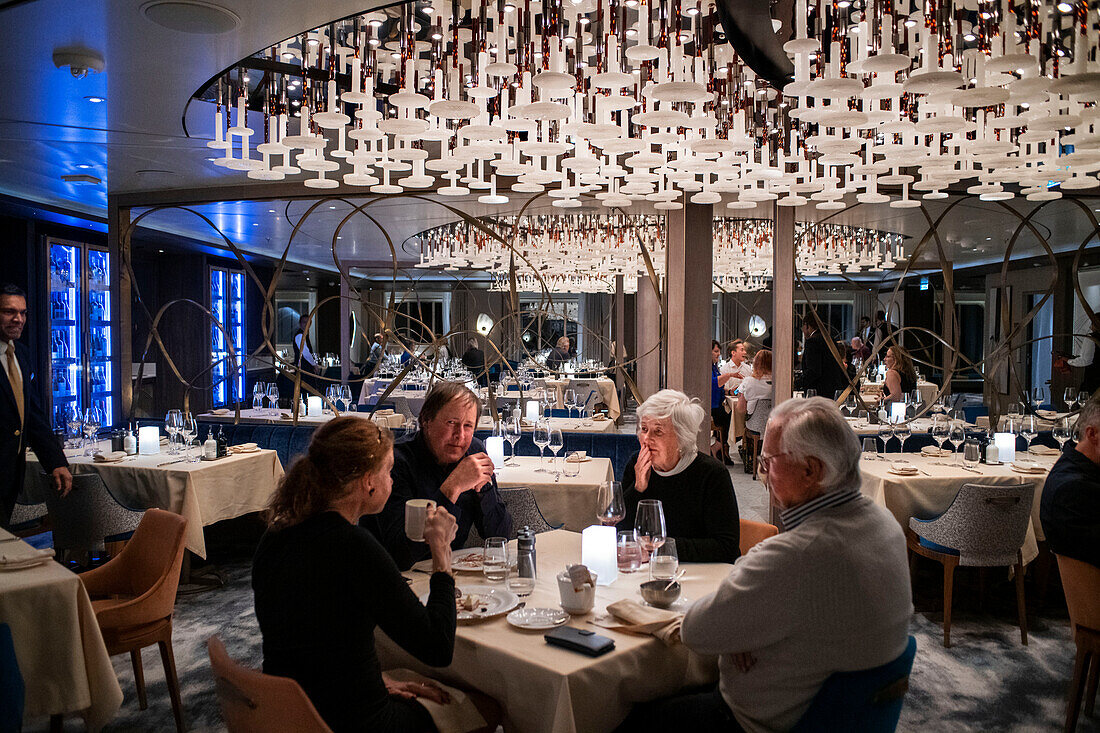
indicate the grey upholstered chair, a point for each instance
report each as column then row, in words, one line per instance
column 985, row 526
column 759, row 417
column 520, row 503
column 401, row 405
column 89, row 515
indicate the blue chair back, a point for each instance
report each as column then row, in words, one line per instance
column 12, row 690
column 868, row 701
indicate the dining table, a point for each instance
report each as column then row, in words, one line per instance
column 546, row 689
column 204, row 492
column 929, row 492
column 604, row 389
column 568, row 501
column 265, row 416
column 58, row 645
column 592, row 424
column 925, row 389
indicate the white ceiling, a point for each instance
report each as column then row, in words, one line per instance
column 135, row 141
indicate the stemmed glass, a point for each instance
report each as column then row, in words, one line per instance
column 1082, row 397
column 512, row 433
column 851, row 404
column 939, row 431
column 345, row 396
column 610, row 507
column 1061, row 432
column 570, row 399
column 957, row 436
column 173, row 423
column 902, row 431
column 273, row 398
column 650, row 525
column 548, row 399
column 93, row 418
column 74, row 421
column 189, row 429
column 556, row 444
column 332, row 395
column 885, row 433
column 541, row 438
column 1070, row 397
column 1037, row 397
column 258, row 391
column 1029, row 430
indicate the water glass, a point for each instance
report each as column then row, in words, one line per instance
column 610, row 507
column 665, row 562
column 521, row 585
column 972, row 454
column 572, row 467
column 628, row 552
column 870, row 448
column 495, row 563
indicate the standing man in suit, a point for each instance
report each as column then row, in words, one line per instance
column 22, row 419
column 820, row 371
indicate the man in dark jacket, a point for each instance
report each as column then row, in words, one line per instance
column 1070, row 505
column 820, row 371
column 474, row 359
column 23, row 422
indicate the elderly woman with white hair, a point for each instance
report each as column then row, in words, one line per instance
column 694, row 488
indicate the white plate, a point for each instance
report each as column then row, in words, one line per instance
column 537, row 618
column 468, row 560
column 1028, row 469
column 679, row 605
column 494, row 602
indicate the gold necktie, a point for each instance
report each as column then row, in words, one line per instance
column 15, row 377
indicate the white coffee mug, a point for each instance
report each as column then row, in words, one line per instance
column 574, row 601
column 416, row 511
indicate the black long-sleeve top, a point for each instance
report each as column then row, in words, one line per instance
column 699, row 505
column 820, row 371
column 417, row 475
column 321, row 588
column 1070, row 507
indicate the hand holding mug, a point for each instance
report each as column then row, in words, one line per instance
column 440, row 528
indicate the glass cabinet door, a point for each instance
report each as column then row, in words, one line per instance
column 100, row 385
column 66, row 345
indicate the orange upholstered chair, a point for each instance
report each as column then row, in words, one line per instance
column 753, row 532
column 134, row 595
column 1081, row 582
column 254, row 701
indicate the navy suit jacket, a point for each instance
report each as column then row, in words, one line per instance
column 14, row 439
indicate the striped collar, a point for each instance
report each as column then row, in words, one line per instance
column 796, row 515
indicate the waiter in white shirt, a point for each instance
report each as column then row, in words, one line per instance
column 303, row 349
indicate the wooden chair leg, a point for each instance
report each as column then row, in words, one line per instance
column 948, row 587
column 1090, row 688
column 1021, row 608
column 170, row 677
column 1076, row 688
column 139, row 678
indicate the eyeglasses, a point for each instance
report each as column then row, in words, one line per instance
column 766, row 461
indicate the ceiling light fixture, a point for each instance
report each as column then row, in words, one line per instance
column 81, row 61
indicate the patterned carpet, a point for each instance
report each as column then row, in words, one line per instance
column 988, row 681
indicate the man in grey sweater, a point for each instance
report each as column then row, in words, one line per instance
column 829, row 594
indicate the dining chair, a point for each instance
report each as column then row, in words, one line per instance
column 12, row 688
column 88, row 516
column 521, row 504
column 984, row 526
column 133, row 596
column 754, row 532
column 752, row 449
column 253, row 701
column 868, row 700
column 1081, row 582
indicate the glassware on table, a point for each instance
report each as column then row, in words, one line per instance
column 557, row 442
column 541, row 438
column 1070, row 397
column 1015, row 410
column 902, row 431
column 273, row 397
column 173, row 423
column 570, row 399
column 885, row 433
column 649, row 523
column 332, row 395
column 870, row 448
column 957, row 436
column 628, row 551
column 189, row 429
column 939, row 431
column 1029, row 430
column 972, row 454
column 1038, row 397
column 1082, row 398
column 346, row 396
column 809, row 393
column 74, row 420
column 610, row 507
column 1062, row 432
column 572, row 468
column 494, row 566
column 93, row 418
column 851, row 404
column 513, row 431
column 665, row 562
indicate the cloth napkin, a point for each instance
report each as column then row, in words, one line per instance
column 220, row 411
column 634, row 618
column 109, row 456
column 243, row 448
column 1043, row 450
column 19, row 555
column 577, row 457
column 458, row 716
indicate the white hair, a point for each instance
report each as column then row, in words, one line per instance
column 815, row 427
column 1090, row 414
column 685, row 413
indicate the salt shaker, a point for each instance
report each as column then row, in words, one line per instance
column 525, row 553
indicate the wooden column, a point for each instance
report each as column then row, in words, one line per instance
column 648, row 339
column 783, row 303
column 689, row 268
column 122, row 347
column 345, row 331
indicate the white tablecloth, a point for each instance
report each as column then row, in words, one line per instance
column 544, row 688
column 916, row 427
column 607, row 394
column 58, row 645
column 571, row 500
column 283, row 417
column 564, row 424
column 205, row 492
column 926, row 496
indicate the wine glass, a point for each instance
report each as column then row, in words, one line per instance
column 851, row 404
column 75, row 422
column 557, row 442
column 173, row 423
column 1015, row 410
column 650, row 525
column 885, row 433
column 346, row 396
column 570, row 399
column 939, row 431
column 273, row 397
column 189, row 429
column 1038, row 396
column 1082, row 397
column 1029, row 429
column 1070, row 397
column 541, row 438
column 93, row 418
column 902, row 431
column 1061, row 432
column 610, row 508
column 332, row 394
column 810, row 393
column 957, row 436
column 512, row 433
column 258, row 391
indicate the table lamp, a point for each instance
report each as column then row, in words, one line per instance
column 599, row 554
column 897, row 412
column 315, row 405
column 533, row 410
column 149, row 440
column 494, row 446
column 1006, row 446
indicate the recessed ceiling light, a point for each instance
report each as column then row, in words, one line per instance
column 83, row 166
column 191, row 16
column 332, row 207
column 255, row 224
column 161, row 251
column 271, row 211
column 95, row 100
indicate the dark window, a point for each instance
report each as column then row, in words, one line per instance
column 419, row 322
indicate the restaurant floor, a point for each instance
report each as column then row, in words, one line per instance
column 987, row 681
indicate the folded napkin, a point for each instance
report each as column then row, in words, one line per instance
column 458, row 716
column 109, row 456
column 1047, row 414
column 221, row 411
column 1043, row 450
column 243, row 448
column 577, row 457
column 931, row 450
column 286, row 416
column 599, row 416
column 19, row 555
column 634, row 618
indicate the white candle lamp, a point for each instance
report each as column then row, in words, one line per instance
column 494, row 446
column 1006, row 446
column 314, row 405
column 149, row 440
column 533, row 410
column 599, row 554
column 897, row 412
